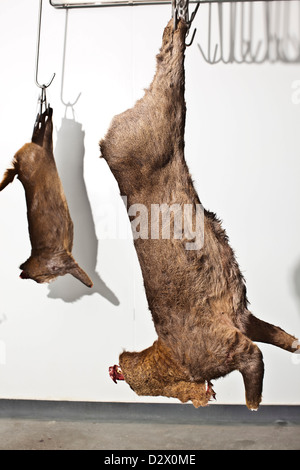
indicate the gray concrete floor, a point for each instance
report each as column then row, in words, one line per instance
column 48, row 425
column 32, row 434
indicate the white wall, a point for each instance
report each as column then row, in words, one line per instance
column 242, row 147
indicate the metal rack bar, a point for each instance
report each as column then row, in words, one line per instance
column 122, row 3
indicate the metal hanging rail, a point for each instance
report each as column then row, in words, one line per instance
column 120, row 3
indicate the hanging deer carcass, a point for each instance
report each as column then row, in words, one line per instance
column 197, row 297
column 49, row 222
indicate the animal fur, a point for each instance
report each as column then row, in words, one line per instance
column 197, row 297
column 49, row 222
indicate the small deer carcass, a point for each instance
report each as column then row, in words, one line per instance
column 49, row 222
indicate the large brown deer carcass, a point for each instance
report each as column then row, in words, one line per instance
column 197, row 297
column 49, row 222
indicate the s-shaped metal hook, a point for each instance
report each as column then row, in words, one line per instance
column 44, row 86
column 180, row 9
column 66, row 103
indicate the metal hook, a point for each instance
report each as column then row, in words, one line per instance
column 174, row 14
column 43, row 101
column 288, row 39
column 180, row 9
column 208, row 58
column 188, row 44
column 38, row 53
column 189, row 25
column 63, row 69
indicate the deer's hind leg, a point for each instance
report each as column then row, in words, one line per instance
column 247, row 358
column 235, row 351
column 258, row 330
column 251, row 367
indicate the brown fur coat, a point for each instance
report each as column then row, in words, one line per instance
column 197, row 297
column 49, row 222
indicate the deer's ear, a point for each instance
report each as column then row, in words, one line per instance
column 80, row 274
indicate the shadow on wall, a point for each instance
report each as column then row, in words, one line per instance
column 69, row 157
